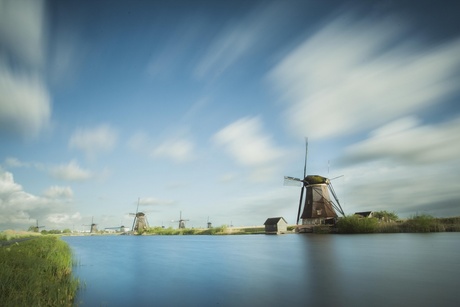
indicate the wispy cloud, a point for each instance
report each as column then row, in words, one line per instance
column 94, row 141
column 351, row 76
column 57, row 192
column 152, row 201
column 245, row 142
column 178, row 150
column 71, row 172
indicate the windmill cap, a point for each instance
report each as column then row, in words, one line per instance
column 316, row 179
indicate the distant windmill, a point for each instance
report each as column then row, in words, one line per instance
column 209, row 224
column 37, row 228
column 318, row 208
column 140, row 223
column 181, row 221
column 93, row 226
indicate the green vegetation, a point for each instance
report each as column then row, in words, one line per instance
column 385, row 216
column 185, row 231
column 388, row 223
column 37, row 272
column 357, row 224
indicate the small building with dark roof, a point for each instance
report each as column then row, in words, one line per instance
column 275, row 225
column 364, row 214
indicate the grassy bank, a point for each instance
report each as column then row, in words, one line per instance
column 8, row 235
column 37, row 272
column 415, row 224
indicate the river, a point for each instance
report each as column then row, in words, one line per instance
column 269, row 270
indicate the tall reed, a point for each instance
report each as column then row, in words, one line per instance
column 37, row 272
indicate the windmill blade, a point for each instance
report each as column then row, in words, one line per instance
column 300, row 204
column 292, row 181
column 337, row 206
column 336, row 177
column 306, row 153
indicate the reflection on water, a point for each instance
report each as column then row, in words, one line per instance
column 259, row 270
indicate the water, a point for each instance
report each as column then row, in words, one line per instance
column 263, row 270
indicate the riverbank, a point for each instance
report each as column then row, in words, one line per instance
column 37, row 272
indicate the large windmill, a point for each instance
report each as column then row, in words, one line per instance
column 93, row 226
column 181, row 221
column 318, row 208
column 140, row 223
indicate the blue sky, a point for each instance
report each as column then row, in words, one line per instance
column 203, row 106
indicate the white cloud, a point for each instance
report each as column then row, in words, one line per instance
column 71, row 172
column 178, row 150
column 94, row 141
column 245, row 142
column 19, row 209
column 352, row 76
column 57, row 192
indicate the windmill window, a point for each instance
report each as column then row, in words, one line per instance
column 318, row 212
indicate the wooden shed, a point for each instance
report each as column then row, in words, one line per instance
column 275, row 225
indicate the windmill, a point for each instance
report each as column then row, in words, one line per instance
column 181, row 221
column 318, row 208
column 140, row 223
column 93, row 226
column 37, row 228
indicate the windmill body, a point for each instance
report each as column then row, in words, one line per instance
column 140, row 222
column 93, row 226
column 318, row 207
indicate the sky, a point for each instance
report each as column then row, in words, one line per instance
column 202, row 108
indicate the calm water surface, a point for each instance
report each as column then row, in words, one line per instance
column 260, row 270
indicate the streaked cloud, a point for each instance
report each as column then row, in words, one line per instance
column 247, row 144
column 25, row 103
column 406, row 141
column 238, row 39
column 353, row 75
column 71, row 172
column 94, row 141
column 22, row 30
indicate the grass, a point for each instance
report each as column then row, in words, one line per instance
column 37, row 272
